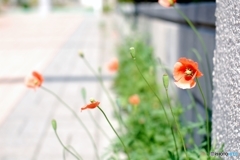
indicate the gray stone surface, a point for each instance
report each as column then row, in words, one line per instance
column 226, row 78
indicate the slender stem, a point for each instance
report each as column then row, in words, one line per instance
column 64, row 155
column 71, row 147
column 207, row 118
column 175, row 143
column 98, row 126
column 179, row 132
column 93, row 119
column 159, row 100
column 198, row 36
column 131, row 133
column 193, row 104
column 204, row 69
column 76, row 116
column 65, row 146
column 101, row 82
column 105, row 90
column 152, row 91
column 125, row 148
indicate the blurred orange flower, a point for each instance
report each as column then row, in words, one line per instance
column 92, row 105
column 166, row 3
column 34, row 80
column 184, row 73
column 113, row 65
column 134, row 99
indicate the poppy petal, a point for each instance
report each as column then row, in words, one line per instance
column 34, row 80
column 182, row 85
column 113, row 65
column 134, row 99
column 177, row 72
column 199, row 74
column 188, row 62
column 185, row 71
column 186, row 82
column 164, row 3
column 91, row 105
column 192, row 84
column 38, row 77
column 167, row 3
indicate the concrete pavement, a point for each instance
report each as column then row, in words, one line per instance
column 51, row 46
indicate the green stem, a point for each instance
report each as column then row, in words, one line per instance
column 74, row 151
column 207, row 118
column 76, row 116
column 71, row 147
column 175, row 143
column 92, row 118
column 179, row 132
column 102, row 84
column 98, row 126
column 105, row 90
column 204, row 68
column 125, row 148
column 65, row 146
column 198, row 36
column 131, row 133
column 159, row 100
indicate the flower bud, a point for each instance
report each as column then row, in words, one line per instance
column 132, row 51
column 92, row 100
column 81, row 54
column 54, row 124
column 165, row 81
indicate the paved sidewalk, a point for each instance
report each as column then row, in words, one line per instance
column 26, row 134
column 27, row 42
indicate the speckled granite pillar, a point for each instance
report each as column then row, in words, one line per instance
column 226, row 77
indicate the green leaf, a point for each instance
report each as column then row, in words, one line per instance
column 171, row 155
column 192, row 125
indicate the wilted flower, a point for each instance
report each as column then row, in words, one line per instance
column 134, row 99
column 34, row 80
column 113, row 65
column 166, row 3
column 91, row 105
column 184, row 73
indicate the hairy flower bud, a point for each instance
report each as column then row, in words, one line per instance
column 165, row 81
column 54, row 124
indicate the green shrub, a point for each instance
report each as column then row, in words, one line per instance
column 147, row 133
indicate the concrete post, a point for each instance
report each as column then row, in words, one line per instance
column 226, row 78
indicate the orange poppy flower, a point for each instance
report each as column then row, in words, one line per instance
column 113, row 65
column 92, row 105
column 185, row 70
column 34, row 80
column 134, row 99
column 166, row 3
